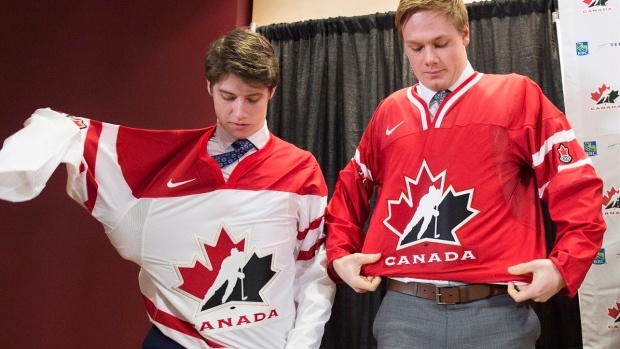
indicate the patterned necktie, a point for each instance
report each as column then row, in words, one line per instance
column 439, row 96
column 241, row 146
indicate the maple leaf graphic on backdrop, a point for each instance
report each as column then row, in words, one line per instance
column 592, row 3
column 596, row 96
column 614, row 312
column 612, row 198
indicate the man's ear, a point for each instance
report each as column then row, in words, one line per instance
column 466, row 34
column 209, row 87
column 273, row 90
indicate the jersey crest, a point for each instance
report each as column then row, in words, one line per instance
column 427, row 211
column 228, row 274
column 564, row 154
column 79, row 122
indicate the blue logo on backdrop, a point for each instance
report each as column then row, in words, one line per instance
column 590, row 148
column 600, row 257
column 582, row 48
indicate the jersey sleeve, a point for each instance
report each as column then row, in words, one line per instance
column 313, row 290
column 87, row 147
column 567, row 182
column 349, row 207
column 29, row 157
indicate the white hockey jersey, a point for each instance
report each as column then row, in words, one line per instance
column 234, row 264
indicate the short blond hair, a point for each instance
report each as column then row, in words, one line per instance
column 455, row 10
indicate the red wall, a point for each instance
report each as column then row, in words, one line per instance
column 136, row 63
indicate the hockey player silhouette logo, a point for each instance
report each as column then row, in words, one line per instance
column 611, row 201
column 425, row 211
column 427, row 208
column 230, row 271
column 228, row 274
column 595, row 3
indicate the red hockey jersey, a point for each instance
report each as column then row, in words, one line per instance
column 458, row 196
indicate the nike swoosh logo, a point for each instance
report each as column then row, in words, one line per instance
column 173, row 185
column 389, row 131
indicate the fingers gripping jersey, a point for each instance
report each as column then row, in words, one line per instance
column 235, row 264
column 458, row 195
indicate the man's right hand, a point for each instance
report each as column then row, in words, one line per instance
column 349, row 269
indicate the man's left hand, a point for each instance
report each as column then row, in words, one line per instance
column 546, row 281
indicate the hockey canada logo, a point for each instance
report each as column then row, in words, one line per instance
column 226, row 275
column 77, row 121
column 596, row 6
column 565, row 157
column 611, row 202
column 614, row 313
column 605, row 98
column 435, row 213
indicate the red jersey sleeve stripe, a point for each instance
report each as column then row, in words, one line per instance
column 174, row 323
column 91, row 145
column 313, row 225
column 552, row 164
column 308, row 255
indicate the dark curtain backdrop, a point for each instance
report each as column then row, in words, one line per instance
column 334, row 73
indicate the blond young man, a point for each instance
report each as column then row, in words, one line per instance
column 494, row 147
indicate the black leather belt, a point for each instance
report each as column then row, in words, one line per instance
column 448, row 295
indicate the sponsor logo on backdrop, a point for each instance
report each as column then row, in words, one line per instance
column 609, row 45
column 582, row 48
column 611, row 201
column 590, row 148
column 605, row 97
column 614, row 313
column 600, row 257
column 596, row 6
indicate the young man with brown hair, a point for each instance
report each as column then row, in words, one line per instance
column 226, row 222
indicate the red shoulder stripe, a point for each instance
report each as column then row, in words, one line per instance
column 91, row 145
column 307, row 255
column 313, row 225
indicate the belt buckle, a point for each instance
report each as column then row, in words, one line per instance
column 438, row 295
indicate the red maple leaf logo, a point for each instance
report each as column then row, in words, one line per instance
column 614, row 312
column 563, row 150
column 596, row 96
column 201, row 273
column 610, row 194
column 406, row 204
column 587, row 2
column 77, row 121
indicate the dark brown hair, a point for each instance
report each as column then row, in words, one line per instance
column 244, row 53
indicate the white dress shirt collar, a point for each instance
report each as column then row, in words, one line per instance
column 427, row 94
column 224, row 140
